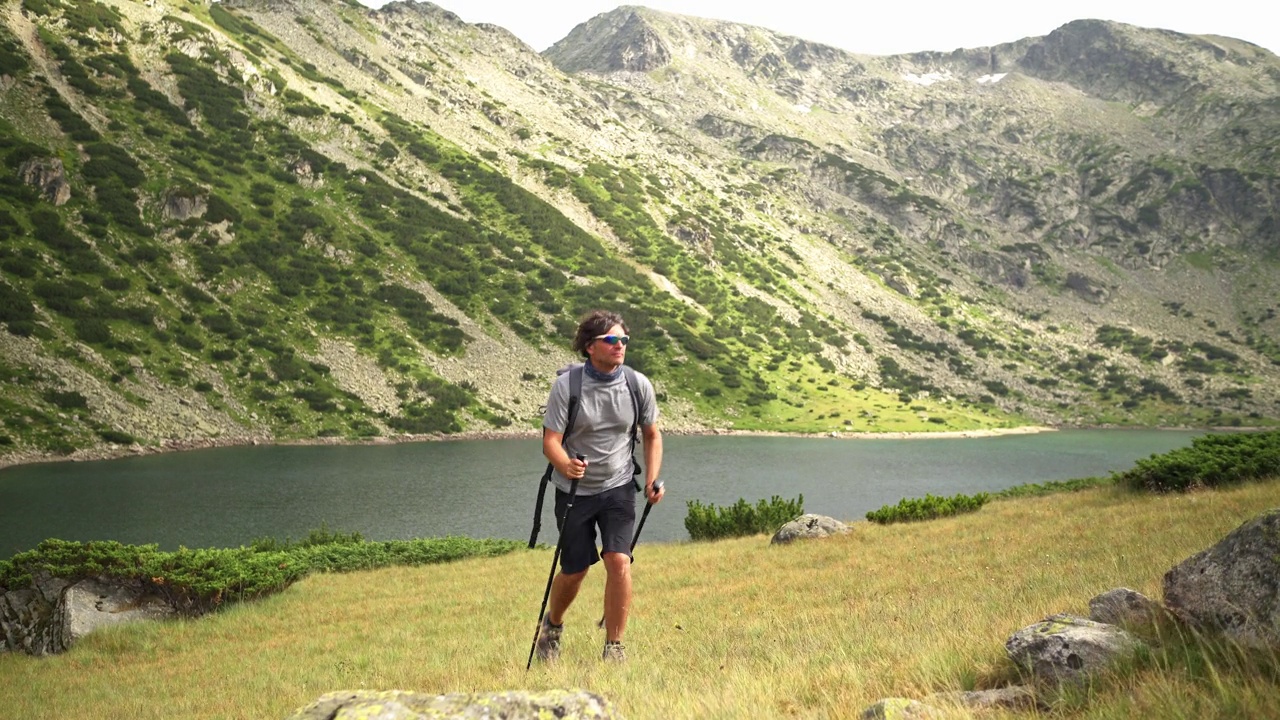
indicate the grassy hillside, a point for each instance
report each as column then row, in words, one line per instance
column 729, row 629
column 254, row 220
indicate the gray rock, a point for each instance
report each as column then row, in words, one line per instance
column 1066, row 648
column 29, row 618
column 899, row 709
column 48, row 176
column 1234, row 586
column 1123, row 606
column 1016, row 697
column 91, row 604
column 402, row 705
column 808, row 526
column 182, row 205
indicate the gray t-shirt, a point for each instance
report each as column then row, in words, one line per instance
column 602, row 429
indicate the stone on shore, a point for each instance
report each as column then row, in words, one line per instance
column 808, row 526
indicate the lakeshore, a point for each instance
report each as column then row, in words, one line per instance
column 112, row 452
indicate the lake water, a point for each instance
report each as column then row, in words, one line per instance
column 227, row 497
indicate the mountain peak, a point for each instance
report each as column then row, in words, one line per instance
column 620, row 40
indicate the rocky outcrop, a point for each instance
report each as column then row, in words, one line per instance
column 53, row 613
column 182, row 205
column 48, row 176
column 30, row 617
column 808, row 526
column 1234, row 586
column 513, row 705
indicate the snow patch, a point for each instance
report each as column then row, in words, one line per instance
column 928, row 78
column 993, row 79
column 802, row 109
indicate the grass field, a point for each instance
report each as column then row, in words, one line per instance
column 727, row 629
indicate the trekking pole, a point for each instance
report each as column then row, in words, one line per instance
column 643, row 516
column 555, row 560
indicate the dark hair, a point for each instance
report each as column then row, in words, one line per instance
column 594, row 323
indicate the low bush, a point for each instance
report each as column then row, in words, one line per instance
column 1053, row 486
column 200, row 580
column 1211, row 461
column 928, row 508
column 708, row 522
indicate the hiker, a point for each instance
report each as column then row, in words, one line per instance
column 604, row 433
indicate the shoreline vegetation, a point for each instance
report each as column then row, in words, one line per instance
column 113, row 452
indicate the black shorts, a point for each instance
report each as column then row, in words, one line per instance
column 614, row 511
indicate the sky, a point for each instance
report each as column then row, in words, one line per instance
column 885, row 27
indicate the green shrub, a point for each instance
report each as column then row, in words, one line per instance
column 1054, row 486
column 708, row 522
column 66, row 400
column 1211, row 461
column 196, row 581
column 117, row 437
column 928, row 508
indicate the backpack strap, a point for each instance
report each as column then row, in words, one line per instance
column 575, row 396
column 629, row 376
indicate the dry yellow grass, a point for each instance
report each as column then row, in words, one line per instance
column 730, row 629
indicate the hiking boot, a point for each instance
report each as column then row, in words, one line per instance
column 614, row 652
column 548, row 642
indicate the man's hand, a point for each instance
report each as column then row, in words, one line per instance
column 654, row 491
column 575, row 469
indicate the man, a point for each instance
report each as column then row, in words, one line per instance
column 601, row 433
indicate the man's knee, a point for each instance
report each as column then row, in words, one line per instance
column 616, row 562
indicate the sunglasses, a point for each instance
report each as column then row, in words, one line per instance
column 614, row 339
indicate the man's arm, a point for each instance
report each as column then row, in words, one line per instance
column 553, row 448
column 652, row 437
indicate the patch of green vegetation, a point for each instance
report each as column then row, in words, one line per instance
column 927, row 508
column 709, row 522
column 1210, row 461
column 197, row 581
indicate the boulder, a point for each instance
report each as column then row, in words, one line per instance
column 49, row 615
column 512, row 705
column 899, row 709
column 808, row 526
column 1066, row 648
column 92, row 603
column 1123, row 606
column 47, row 176
column 1234, row 586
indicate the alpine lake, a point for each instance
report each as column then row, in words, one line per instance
column 227, row 497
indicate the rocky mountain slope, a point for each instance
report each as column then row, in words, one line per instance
column 283, row 219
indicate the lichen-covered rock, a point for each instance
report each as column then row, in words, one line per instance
column 1234, row 586
column 1123, row 606
column 808, row 526
column 899, row 709
column 1066, row 648
column 511, row 705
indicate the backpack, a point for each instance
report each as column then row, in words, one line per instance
column 575, row 394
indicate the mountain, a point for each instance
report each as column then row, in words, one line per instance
column 287, row 219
